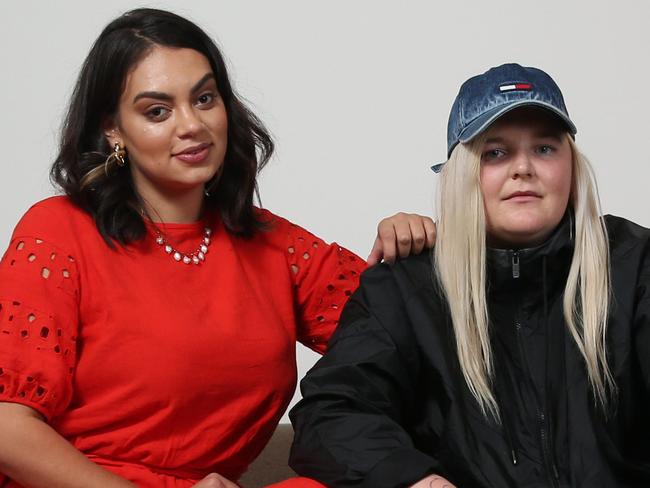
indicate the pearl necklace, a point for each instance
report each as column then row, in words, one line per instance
column 195, row 257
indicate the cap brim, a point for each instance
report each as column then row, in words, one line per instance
column 437, row 168
column 482, row 122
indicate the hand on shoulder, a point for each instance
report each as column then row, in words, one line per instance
column 402, row 235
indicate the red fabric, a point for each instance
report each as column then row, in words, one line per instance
column 159, row 371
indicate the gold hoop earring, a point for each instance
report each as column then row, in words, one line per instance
column 118, row 156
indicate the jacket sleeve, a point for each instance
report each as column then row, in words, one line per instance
column 350, row 425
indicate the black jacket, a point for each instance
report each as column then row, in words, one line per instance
column 388, row 405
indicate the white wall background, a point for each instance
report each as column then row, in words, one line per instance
column 356, row 93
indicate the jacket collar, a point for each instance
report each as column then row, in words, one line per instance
column 519, row 266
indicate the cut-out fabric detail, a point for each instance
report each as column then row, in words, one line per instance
column 324, row 275
column 37, row 299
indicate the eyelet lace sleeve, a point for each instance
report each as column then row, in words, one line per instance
column 324, row 276
column 38, row 323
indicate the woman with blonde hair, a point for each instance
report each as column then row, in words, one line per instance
column 523, row 359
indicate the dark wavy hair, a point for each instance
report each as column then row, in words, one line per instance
column 112, row 199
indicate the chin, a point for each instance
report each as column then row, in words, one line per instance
column 186, row 185
column 528, row 222
column 523, row 231
column 195, row 177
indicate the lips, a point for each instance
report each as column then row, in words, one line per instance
column 523, row 196
column 194, row 154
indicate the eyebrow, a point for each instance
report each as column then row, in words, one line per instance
column 493, row 140
column 555, row 134
column 167, row 97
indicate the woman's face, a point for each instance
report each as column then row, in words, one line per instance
column 172, row 122
column 526, row 173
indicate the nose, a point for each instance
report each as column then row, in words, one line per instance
column 522, row 166
column 188, row 122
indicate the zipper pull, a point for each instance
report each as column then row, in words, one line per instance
column 515, row 265
column 513, row 453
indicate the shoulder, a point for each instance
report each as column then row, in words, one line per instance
column 58, row 207
column 408, row 275
column 626, row 237
column 279, row 231
column 265, row 216
column 55, row 219
column 386, row 289
column 399, row 300
column 277, row 239
column 54, row 233
column 629, row 256
column 619, row 226
column 275, row 224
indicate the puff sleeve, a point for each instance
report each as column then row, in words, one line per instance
column 324, row 276
column 39, row 295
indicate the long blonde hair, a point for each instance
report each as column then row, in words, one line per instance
column 460, row 268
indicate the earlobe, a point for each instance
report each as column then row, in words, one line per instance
column 113, row 137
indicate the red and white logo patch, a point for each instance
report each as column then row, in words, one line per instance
column 516, row 87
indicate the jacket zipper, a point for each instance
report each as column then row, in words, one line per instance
column 551, row 469
column 546, row 450
column 515, row 264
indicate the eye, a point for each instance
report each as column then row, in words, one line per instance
column 207, row 98
column 492, row 154
column 545, row 149
column 157, row 113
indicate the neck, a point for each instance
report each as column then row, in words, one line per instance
column 516, row 242
column 181, row 207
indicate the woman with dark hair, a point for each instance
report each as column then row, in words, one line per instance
column 518, row 355
column 148, row 318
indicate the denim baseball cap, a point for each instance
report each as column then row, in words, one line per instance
column 484, row 98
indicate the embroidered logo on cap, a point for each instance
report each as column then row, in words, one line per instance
column 516, row 87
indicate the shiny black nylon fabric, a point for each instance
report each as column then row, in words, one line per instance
column 388, row 405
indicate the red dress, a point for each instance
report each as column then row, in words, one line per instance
column 157, row 370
